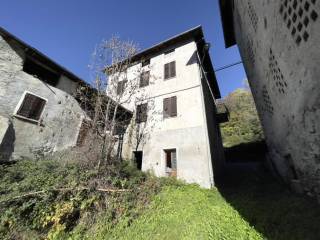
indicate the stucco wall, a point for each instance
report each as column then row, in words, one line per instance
column 279, row 44
column 187, row 132
column 61, row 117
column 213, row 131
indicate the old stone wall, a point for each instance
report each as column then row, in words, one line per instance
column 279, row 44
column 62, row 114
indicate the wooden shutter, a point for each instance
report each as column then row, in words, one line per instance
column 138, row 114
column 173, row 69
column 142, row 113
column 166, row 71
column 31, row 107
column 26, row 106
column 174, row 159
column 173, row 106
column 166, row 107
column 120, row 87
column 144, row 79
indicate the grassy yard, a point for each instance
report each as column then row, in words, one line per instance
column 187, row 212
column 250, row 205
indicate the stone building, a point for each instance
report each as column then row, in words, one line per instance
column 279, row 42
column 175, row 101
column 38, row 111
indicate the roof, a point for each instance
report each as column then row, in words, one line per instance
column 30, row 51
column 226, row 12
column 195, row 34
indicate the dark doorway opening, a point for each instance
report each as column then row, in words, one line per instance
column 138, row 159
column 171, row 162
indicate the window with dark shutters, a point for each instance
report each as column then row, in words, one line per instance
column 31, row 107
column 141, row 115
column 144, row 79
column 120, row 87
column 170, row 70
column 170, row 107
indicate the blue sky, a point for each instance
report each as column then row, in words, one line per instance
column 68, row 30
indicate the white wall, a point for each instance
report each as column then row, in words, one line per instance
column 187, row 131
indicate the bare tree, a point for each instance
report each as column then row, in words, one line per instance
column 115, row 88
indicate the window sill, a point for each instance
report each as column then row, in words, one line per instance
column 165, row 79
column 164, row 118
column 37, row 122
column 144, row 86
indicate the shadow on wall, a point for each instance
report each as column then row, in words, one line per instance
column 269, row 206
column 7, row 144
column 193, row 59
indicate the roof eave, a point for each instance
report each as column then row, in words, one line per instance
column 31, row 51
column 226, row 14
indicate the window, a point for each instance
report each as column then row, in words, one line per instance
column 31, row 107
column 120, row 87
column 170, row 107
column 144, row 79
column 145, row 62
column 171, row 162
column 141, row 115
column 170, row 70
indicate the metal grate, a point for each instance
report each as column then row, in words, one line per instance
column 253, row 16
column 267, row 101
column 298, row 15
column 276, row 74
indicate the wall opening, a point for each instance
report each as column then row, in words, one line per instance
column 39, row 71
column 171, row 162
column 137, row 155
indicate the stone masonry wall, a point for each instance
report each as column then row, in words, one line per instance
column 61, row 118
column 279, row 43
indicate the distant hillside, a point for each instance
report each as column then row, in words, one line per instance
column 244, row 124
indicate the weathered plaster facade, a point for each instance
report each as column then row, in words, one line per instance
column 60, row 120
column 279, row 42
column 194, row 132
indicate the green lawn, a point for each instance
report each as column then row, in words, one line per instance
column 186, row 212
column 249, row 205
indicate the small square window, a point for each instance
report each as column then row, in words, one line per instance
column 31, row 107
column 144, row 79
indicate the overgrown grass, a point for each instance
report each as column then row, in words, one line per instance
column 53, row 200
column 64, row 202
column 185, row 212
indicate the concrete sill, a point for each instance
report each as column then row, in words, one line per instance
column 37, row 122
column 165, row 79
